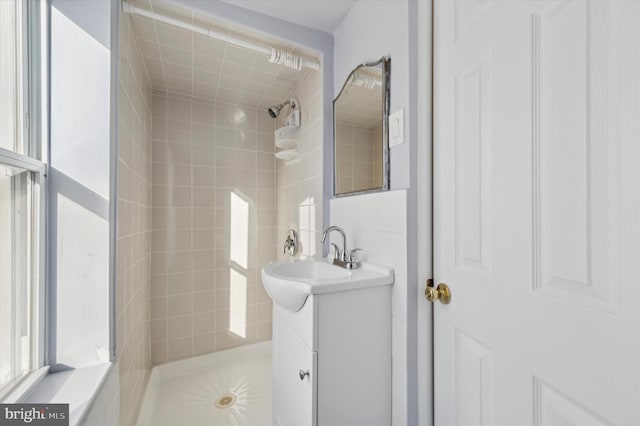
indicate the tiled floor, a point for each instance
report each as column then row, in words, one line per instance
column 185, row 392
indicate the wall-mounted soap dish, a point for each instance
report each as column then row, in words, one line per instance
column 288, row 155
column 287, row 137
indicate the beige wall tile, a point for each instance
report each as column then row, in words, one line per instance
column 179, row 327
column 299, row 185
column 179, row 304
column 264, row 330
column 204, row 322
column 158, row 308
column 204, row 218
column 158, row 263
column 204, row 343
column 203, row 155
column 179, row 109
column 158, row 330
column 203, row 112
column 179, row 283
column 179, row 262
column 204, row 281
column 203, row 260
column 159, row 352
column 202, row 134
column 179, row 348
column 204, row 301
column 226, row 340
column 204, row 198
column 212, row 151
column 158, row 286
column 178, row 152
column 204, row 176
column 204, row 239
column 133, row 249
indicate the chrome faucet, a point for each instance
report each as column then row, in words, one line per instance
column 344, row 258
column 341, row 254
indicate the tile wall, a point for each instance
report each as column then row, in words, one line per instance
column 299, row 183
column 381, row 231
column 214, row 222
column 134, row 225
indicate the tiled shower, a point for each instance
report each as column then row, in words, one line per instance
column 204, row 203
column 213, row 222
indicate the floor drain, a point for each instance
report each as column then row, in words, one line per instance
column 226, row 400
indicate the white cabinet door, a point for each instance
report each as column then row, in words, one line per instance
column 537, row 212
column 294, row 398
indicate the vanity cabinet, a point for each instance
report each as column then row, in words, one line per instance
column 343, row 341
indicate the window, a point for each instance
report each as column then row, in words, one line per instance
column 79, row 183
column 21, row 196
column 17, row 281
column 11, row 68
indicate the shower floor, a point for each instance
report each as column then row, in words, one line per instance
column 228, row 388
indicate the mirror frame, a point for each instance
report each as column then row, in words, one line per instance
column 386, row 83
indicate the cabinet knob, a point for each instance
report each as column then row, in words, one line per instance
column 303, row 374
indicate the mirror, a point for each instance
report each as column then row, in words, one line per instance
column 360, row 131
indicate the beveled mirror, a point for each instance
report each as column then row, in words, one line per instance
column 360, row 131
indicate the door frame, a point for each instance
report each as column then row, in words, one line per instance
column 424, row 192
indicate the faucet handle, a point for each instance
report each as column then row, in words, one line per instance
column 353, row 254
column 291, row 243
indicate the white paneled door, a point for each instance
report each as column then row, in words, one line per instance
column 537, row 212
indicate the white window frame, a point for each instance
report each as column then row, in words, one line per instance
column 33, row 114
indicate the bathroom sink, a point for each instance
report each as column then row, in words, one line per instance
column 290, row 283
column 309, row 269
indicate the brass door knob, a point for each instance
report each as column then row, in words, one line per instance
column 441, row 292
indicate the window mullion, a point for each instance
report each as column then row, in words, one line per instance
column 14, row 159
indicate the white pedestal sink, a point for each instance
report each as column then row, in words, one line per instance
column 290, row 283
column 331, row 343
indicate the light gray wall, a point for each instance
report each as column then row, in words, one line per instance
column 373, row 29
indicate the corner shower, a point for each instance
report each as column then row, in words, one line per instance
column 221, row 201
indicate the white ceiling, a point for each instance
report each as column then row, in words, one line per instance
column 323, row 15
column 179, row 61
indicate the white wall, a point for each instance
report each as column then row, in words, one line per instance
column 382, row 234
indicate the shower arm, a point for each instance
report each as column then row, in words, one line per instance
column 274, row 55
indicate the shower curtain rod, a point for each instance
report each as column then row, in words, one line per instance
column 274, row 55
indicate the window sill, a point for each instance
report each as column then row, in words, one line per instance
column 78, row 388
column 23, row 389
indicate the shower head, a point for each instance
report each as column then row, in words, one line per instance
column 275, row 110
